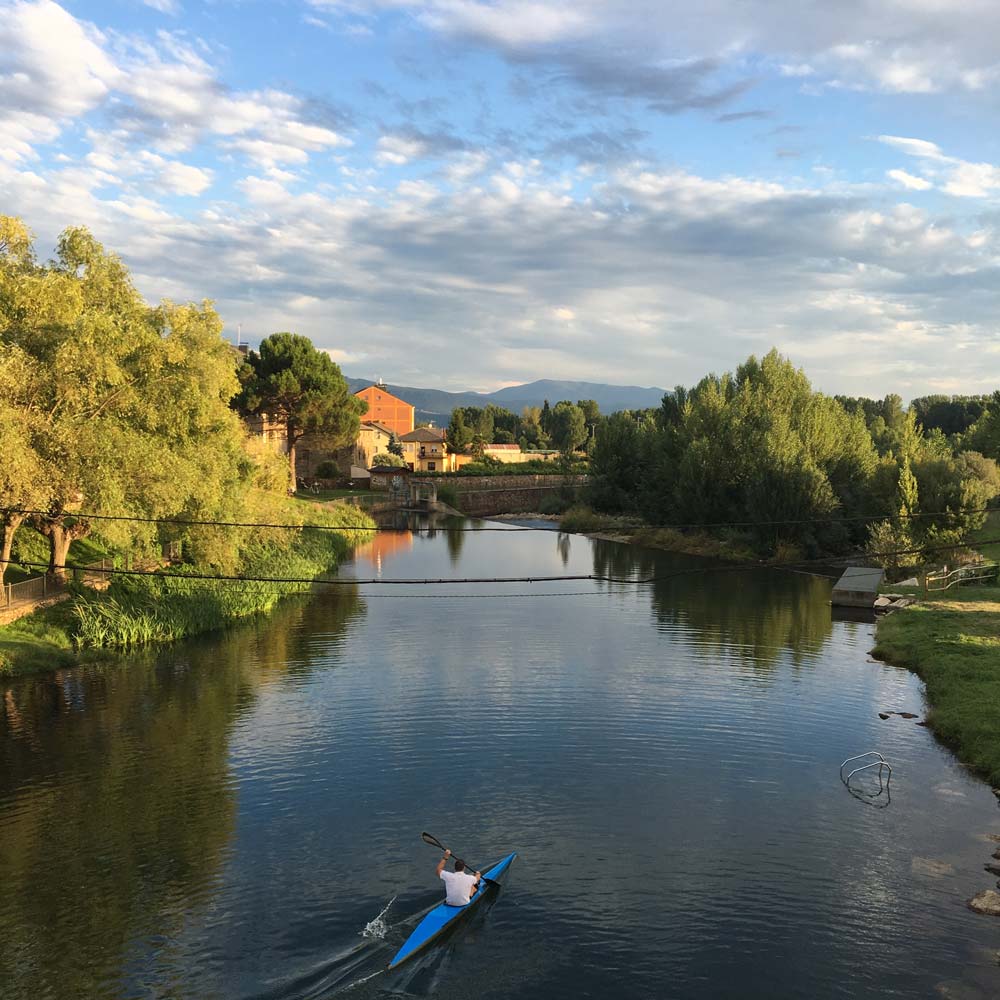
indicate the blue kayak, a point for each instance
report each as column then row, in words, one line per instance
column 442, row 917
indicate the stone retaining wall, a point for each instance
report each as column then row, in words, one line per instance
column 481, row 496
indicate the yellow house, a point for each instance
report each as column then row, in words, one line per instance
column 426, row 450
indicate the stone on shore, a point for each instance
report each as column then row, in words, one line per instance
column 987, row 902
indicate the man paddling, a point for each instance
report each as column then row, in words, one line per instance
column 459, row 885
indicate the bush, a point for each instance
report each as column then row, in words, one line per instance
column 327, row 470
column 448, row 495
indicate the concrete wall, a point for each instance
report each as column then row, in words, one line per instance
column 485, row 495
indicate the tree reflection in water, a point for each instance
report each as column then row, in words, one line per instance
column 116, row 802
column 760, row 613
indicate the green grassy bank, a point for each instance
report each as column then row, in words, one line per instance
column 582, row 520
column 953, row 644
column 139, row 610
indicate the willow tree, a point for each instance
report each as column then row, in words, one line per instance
column 125, row 407
column 289, row 380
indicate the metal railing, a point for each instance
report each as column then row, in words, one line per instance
column 944, row 579
column 870, row 798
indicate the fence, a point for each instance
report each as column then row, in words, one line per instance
column 943, row 579
column 94, row 574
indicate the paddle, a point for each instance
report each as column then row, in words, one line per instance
column 434, row 842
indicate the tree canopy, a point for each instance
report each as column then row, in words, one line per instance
column 290, row 380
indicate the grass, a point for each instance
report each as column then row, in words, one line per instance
column 139, row 610
column 323, row 496
column 953, row 643
column 582, row 520
column 991, row 529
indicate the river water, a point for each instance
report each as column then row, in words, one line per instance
column 239, row 817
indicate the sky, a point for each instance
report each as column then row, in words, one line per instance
column 465, row 194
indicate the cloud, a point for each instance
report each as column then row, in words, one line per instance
column 909, row 181
column 904, row 46
column 171, row 7
column 181, row 178
column 52, row 68
column 649, row 271
column 959, row 178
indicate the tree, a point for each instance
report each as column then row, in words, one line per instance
column 395, row 446
column 459, row 433
column 568, row 428
column 387, row 458
column 291, row 381
column 121, row 409
column 616, row 467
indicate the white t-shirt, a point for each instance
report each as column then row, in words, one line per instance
column 458, row 886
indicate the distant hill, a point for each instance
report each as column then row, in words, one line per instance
column 436, row 405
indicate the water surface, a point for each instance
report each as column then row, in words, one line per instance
column 224, row 818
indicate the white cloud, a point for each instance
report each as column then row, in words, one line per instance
column 397, row 150
column 652, row 276
column 909, row 181
column 182, row 178
column 898, row 46
column 52, row 68
column 171, row 7
column 961, row 178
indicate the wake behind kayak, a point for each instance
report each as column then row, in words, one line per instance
column 443, row 917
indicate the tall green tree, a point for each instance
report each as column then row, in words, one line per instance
column 568, row 428
column 125, row 409
column 290, row 380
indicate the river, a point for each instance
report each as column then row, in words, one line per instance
column 239, row 817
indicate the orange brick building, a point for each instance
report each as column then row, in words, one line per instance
column 386, row 409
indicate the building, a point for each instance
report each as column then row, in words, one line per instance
column 426, row 450
column 352, row 461
column 390, row 479
column 386, row 409
column 273, row 431
column 373, row 439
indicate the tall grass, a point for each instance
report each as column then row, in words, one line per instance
column 136, row 610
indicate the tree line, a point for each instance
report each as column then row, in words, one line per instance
column 565, row 427
column 760, row 446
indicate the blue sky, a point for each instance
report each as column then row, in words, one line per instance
column 470, row 194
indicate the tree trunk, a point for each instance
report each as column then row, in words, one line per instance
column 10, row 525
column 59, row 543
column 292, row 438
column 60, row 536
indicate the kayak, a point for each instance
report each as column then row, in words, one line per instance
column 442, row 917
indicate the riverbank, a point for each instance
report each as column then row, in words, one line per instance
column 953, row 644
column 584, row 521
column 140, row 610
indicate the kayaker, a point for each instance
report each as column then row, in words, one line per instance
column 459, row 885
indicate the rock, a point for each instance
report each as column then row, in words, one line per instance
column 996, row 853
column 993, row 869
column 995, row 837
column 996, row 792
column 987, row 902
column 923, row 723
column 907, row 715
column 927, row 866
column 882, row 602
column 883, row 715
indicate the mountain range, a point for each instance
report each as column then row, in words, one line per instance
column 436, row 404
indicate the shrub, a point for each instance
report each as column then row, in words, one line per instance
column 327, row 470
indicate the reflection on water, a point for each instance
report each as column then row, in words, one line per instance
column 117, row 803
column 224, row 819
column 756, row 614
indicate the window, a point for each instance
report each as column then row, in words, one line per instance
column 430, row 466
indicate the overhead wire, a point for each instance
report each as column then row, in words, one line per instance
column 454, row 581
column 383, row 529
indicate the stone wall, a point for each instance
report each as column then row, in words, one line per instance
column 481, row 496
